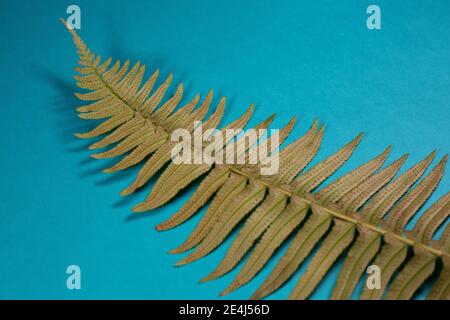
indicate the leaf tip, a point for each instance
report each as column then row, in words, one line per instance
column 64, row 22
column 127, row 191
column 226, row 291
column 173, row 251
column 203, row 280
column 182, row 262
column 255, row 296
column 432, row 154
column 79, row 135
column 209, row 277
column 359, row 137
column 293, row 120
column 141, row 207
column 404, row 157
column 388, row 149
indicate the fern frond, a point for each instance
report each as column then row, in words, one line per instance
column 231, row 190
column 413, row 274
column 254, row 226
column 301, row 245
column 365, row 211
column 389, row 259
column 229, row 215
column 275, row 235
column 441, row 288
column 339, row 238
column 430, row 221
column 362, row 251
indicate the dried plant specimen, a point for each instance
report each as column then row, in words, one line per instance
column 364, row 211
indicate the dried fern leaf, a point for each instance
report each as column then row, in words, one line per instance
column 209, row 185
column 139, row 153
column 138, row 120
column 138, row 100
column 360, row 254
column 441, row 288
column 120, row 133
column 265, row 144
column 212, row 122
column 430, row 221
column 414, row 200
column 197, row 115
column 275, row 235
column 135, row 85
column 227, row 218
column 234, row 186
column 337, row 189
column 152, row 103
column 107, row 126
column 213, row 181
column 254, row 226
column 320, row 172
column 99, row 105
column 244, row 152
column 301, row 245
column 167, row 108
column 296, row 156
column 389, row 259
column 178, row 176
column 185, row 114
column 144, row 134
column 444, row 241
column 411, row 277
column 106, row 112
column 339, row 238
column 151, row 166
column 383, row 200
column 354, row 199
column 162, row 156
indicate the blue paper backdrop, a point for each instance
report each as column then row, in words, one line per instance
column 305, row 58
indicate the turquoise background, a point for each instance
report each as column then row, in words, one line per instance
column 305, row 58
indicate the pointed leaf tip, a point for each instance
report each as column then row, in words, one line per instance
column 126, row 192
column 388, row 148
column 432, row 154
column 143, row 207
column 226, row 291
column 181, row 263
column 205, row 279
column 251, row 108
column 359, row 136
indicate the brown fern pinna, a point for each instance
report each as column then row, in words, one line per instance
column 364, row 211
